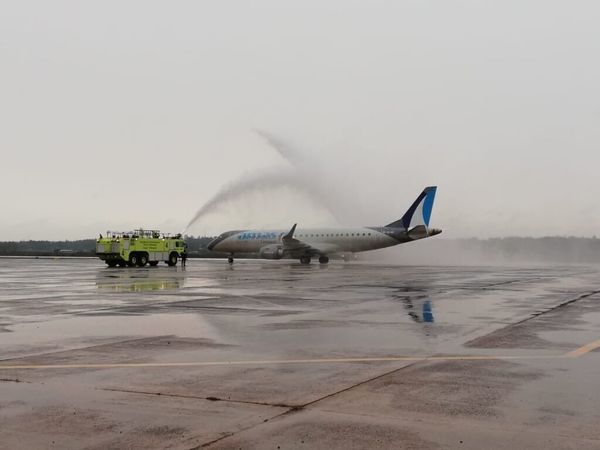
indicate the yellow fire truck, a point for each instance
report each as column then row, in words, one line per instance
column 139, row 247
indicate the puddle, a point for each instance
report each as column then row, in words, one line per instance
column 65, row 333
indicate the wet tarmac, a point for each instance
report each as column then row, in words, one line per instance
column 273, row 354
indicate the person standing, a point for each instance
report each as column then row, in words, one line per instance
column 183, row 258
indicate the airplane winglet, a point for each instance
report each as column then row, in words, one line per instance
column 290, row 234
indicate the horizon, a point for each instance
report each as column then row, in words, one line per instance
column 446, row 238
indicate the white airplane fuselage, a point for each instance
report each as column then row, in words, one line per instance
column 328, row 240
column 322, row 242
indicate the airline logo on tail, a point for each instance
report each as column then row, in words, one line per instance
column 419, row 213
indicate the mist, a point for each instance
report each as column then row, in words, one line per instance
column 262, row 189
column 509, row 251
column 281, row 184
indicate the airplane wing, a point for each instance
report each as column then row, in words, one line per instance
column 291, row 243
column 293, row 246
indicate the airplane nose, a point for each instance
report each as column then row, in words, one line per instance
column 211, row 244
column 215, row 243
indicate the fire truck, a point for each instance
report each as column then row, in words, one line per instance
column 139, row 248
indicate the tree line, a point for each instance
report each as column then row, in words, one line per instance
column 84, row 247
column 567, row 250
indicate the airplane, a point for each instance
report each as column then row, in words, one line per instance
column 304, row 244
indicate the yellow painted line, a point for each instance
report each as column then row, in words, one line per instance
column 584, row 349
column 274, row 362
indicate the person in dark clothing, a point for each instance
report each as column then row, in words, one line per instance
column 183, row 258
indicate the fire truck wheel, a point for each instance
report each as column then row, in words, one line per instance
column 143, row 260
column 134, row 259
column 172, row 259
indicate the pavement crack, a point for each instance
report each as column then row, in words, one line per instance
column 294, row 409
column 87, row 347
column 361, row 383
column 13, row 380
column 198, row 397
column 514, row 325
column 554, row 308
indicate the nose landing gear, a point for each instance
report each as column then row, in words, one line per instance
column 230, row 259
column 305, row 260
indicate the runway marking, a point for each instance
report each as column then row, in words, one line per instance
column 584, row 349
column 279, row 361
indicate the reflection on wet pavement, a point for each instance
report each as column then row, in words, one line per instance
column 345, row 346
column 139, row 280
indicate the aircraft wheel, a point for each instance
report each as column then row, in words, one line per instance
column 305, row 260
column 323, row 259
column 230, row 260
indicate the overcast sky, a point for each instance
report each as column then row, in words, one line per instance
column 135, row 113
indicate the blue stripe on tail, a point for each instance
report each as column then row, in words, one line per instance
column 428, row 205
column 427, row 198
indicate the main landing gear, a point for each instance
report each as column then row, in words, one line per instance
column 306, row 259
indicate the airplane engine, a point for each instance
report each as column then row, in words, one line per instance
column 271, row 252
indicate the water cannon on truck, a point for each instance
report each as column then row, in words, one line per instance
column 139, row 248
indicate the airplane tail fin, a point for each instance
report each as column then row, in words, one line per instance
column 420, row 211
